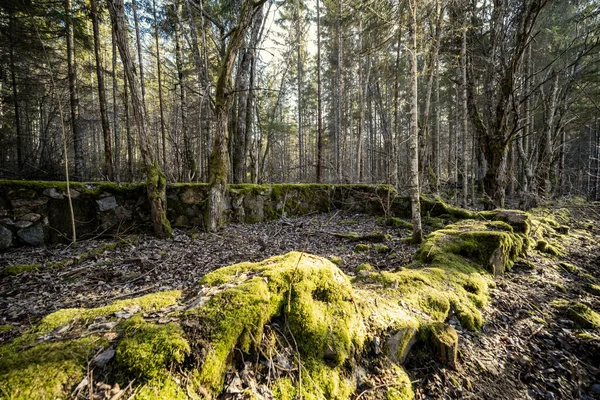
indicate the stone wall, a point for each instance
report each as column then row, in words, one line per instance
column 34, row 213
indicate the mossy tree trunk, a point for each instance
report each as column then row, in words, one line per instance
column 219, row 157
column 156, row 182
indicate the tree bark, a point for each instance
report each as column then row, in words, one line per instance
column 190, row 162
column 73, row 94
column 156, row 182
column 106, row 134
column 163, row 134
column 319, row 171
column 417, row 236
column 219, row 157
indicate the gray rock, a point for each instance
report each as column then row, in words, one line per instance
column 7, row 222
column 53, row 194
column 33, row 236
column 596, row 388
column 23, row 224
column 400, row 344
column 31, row 217
column 103, row 358
column 6, row 238
column 107, row 203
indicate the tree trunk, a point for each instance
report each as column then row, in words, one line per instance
column 219, row 157
column 301, row 155
column 106, row 134
column 130, row 143
column 319, row 172
column 417, row 236
column 190, row 162
column 163, row 134
column 73, row 95
column 115, row 108
column 464, row 116
column 155, row 178
column 138, row 41
column 15, row 95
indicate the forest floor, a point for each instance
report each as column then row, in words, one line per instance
column 526, row 349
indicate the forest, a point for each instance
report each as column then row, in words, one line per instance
column 321, row 199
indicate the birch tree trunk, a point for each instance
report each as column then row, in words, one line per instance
column 413, row 179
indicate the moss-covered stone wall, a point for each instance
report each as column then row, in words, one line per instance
column 34, row 212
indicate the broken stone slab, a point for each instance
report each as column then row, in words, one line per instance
column 33, row 236
column 107, row 203
column 400, row 344
column 6, row 238
column 53, row 194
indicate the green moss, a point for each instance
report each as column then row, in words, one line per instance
column 336, row 260
column 583, row 316
column 558, row 286
column 5, row 328
column 400, row 388
column 437, row 206
column 147, row 350
column 16, row 269
column 33, row 370
column 593, row 289
column 484, row 243
column 568, row 266
column 163, row 388
column 319, row 381
column 362, row 247
column 545, row 247
column 587, row 277
column 394, row 222
column 381, row 248
column 309, row 293
column 47, row 370
column 364, row 267
column 151, row 302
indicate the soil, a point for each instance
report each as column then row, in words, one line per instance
column 527, row 348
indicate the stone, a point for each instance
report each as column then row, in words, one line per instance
column 31, row 217
column 107, row 203
column 74, row 193
column 400, row 343
column 28, row 203
column 191, row 196
column 7, row 222
column 6, row 238
column 53, row 194
column 123, row 213
column 517, row 219
column 33, row 236
column 596, row 388
column 103, row 358
column 23, row 224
